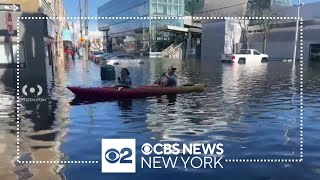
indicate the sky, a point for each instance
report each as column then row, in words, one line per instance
column 72, row 9
column 72, row 6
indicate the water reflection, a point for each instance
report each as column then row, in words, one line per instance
column 253, row 110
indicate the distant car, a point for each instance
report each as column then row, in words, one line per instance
column 245, row 56
column 95, row 55
column 123, row 59
column 102, row 60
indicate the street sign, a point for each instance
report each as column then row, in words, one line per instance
column 9, row 23
column 10, row 7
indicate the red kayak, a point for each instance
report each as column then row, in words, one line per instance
column 111, row 93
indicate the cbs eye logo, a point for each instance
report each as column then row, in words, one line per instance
column 118, row 156
column 113, row 155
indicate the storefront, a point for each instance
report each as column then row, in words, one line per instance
column 67, row 38
column 49, row 46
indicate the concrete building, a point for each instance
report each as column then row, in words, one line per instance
column 281, row 35
column 49, row 30
column 215, row 8
column 38, row 46
column 257, row 8
column 140, row 35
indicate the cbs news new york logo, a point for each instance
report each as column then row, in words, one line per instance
column 118, row 156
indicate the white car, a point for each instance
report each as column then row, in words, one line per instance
column 245, row 56
column 124, row 60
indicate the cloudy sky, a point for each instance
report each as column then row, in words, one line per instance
column 93, row 33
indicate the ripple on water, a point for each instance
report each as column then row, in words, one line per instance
column 254, row 111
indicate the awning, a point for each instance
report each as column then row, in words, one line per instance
column 122, row 34
column 168, row 28
column 172, row 29
column 104, row 28
column 66, row 35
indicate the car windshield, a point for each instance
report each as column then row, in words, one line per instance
column 125, row 57
column 106, row 55
column 97, row 53
column 243, row 51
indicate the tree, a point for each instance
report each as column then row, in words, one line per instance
column 263, row 9
column 244, row 25
column 244, row 31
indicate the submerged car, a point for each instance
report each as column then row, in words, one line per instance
column 105, row 57
column 123, row 59
column 95, row 54
column 245, row 56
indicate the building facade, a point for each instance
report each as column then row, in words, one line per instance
column 280, row 40
column 38, row 39
column 132, row 35
column 216, row 8
column 267, row 7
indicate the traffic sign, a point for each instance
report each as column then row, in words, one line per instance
column 9, row 23
column 10, row 7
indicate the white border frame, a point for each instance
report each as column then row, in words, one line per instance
column 231, row 160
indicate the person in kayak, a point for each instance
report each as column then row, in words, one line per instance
column 124, row 81
column 168, row 79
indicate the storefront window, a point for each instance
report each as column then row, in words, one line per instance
column 5, row 54
column 160, row 9
column 153, row 8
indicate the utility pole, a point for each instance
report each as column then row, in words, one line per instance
column 297, row 32
column 73, row 34
column 80, row 18
column 86, row 31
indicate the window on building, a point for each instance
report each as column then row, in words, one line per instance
column 174, row 10
column 5, row 54
column 169, row 10
column 160, row 9
column 153, row 8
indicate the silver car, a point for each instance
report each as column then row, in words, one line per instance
column 124, row 60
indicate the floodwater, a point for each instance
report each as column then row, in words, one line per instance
column 254, row 110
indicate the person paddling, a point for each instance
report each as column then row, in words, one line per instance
column 168, row 79
column 124, row 81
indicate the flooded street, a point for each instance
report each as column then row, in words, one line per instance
column 253, row 110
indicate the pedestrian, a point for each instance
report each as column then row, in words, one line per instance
column 73, row 52
column 124, row 81
column 67, row 52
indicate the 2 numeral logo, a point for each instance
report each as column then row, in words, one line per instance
column 113, row 155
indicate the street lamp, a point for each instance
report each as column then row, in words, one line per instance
column 297, row 31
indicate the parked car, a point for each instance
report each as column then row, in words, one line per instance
column 95, row 54
column 102, row 60
column 245, row 56
column 124, row 59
